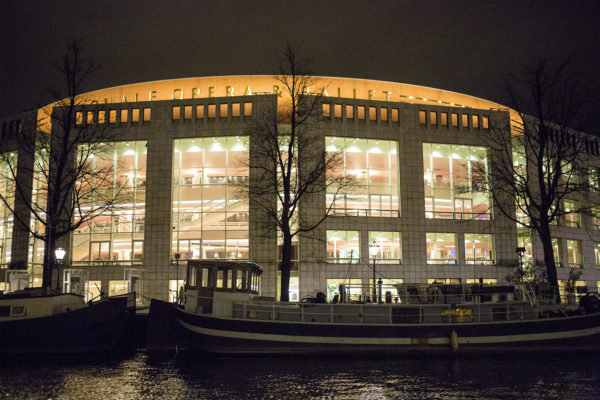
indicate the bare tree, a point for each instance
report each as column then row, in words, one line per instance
column 71, row 181
column 289, row 164
column 543, row 160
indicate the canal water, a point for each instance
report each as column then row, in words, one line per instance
column 139, row 376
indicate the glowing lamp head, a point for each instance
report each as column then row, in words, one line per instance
column 59, row 253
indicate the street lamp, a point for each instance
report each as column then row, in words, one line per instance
column 177, row 257
column 374, row 249
column 59, row 254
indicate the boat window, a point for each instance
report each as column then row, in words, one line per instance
column 238, row 280
column 204, row 277
column 254, row 282
column 192, row 277
column 229, row 278
column 17, row 311
column 4, row 311
column 219, row 278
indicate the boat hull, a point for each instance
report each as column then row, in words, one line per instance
column 98, row 327
column 206, row 333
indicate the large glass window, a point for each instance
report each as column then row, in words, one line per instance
column 579, row 287
column 524, row 241
column 454, row 178
column 441, row 248
column 8, row 165
column 117, row 234
column 210, row 218
column 373, row 163
column 482, row 281
column 38, row 196
column 520, row 176
column 175, row 289
column 521, row 214
column 444, row 281
column 575, row 253
column 479, row 248
column 93, row 290
column 116, row 288
column 343, row 247
column 388, row 247
column 594, row 176
column 572, row 216
column 568, row 175
column 596, row 218
column 557, row 251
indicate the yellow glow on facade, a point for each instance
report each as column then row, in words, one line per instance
column 227, row 86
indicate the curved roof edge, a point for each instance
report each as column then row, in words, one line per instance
column 367, row 89
column 236, row 85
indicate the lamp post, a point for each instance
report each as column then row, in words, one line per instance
column 59, row 254
column 374, row 249
column 177, row 257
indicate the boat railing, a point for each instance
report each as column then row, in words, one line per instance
column 386, row 313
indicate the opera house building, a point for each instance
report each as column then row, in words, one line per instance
column 419, row 212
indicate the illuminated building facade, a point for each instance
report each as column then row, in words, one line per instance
column 419, row 209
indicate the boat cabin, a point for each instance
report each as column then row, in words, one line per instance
column 419, row 293
column 213, row 281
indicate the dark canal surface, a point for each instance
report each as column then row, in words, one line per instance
column 426, row 377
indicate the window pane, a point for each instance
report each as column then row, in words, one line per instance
column 247, row 109
column 343, row 247
column 373, row 164
column 441, row 248
column 209, row 220
column 454, row 179
column 574, row 253
column 479, row 248
column 433, row 118
column 235, row 110
column 117, row 173
column 349, row 112
column 385, row 247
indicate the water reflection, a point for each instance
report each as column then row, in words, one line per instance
column 209, row 377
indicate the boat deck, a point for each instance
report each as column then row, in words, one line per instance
column 386, row 313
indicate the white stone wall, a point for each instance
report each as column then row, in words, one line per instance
column 159, row 133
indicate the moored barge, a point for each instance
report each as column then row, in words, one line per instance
column 223, row 313
column 43, row 321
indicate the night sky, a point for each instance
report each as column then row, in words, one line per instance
column 464, row 46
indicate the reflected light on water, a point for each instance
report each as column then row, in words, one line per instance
column 208, row 377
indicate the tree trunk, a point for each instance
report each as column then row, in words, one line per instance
column 48, row 266
column 286, row 266
column 544, row 233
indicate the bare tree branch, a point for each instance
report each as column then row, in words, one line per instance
column 288, row 163
column 70, row 182
column 543, row 161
